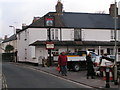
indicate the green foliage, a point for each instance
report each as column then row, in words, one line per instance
column 7, row 57
column 9, row 48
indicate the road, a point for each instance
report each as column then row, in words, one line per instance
column 17, row 76
column 0, row 75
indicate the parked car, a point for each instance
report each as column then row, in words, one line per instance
column 77, row 60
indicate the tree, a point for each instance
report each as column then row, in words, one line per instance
column 9, row 48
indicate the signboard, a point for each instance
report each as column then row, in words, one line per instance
column 49, row 21
column 49, row 45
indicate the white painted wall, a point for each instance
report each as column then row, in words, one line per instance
column 37, row 34
column 31, row 35
column 96, row 35
column 22, row 45
column 40, row 53
column 27, row 37
column 67, row 34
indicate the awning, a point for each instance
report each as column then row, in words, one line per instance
column 76, row 43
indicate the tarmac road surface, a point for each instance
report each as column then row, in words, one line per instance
column 23, row 77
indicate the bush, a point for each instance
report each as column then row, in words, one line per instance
column 7, row 57
column 9, row 48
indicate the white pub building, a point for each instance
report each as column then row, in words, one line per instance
column 71, row 32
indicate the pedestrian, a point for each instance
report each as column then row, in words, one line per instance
column 62, row 62
column 90, row 67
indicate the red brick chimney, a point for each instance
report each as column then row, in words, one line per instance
column 5, row 37
column 59, row 7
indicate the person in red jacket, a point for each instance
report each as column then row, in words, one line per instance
column 62, row 62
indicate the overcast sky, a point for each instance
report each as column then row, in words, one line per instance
column 16, row 12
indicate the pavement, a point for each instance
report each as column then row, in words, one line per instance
column 78, row 77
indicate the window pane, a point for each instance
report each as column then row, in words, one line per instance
column 77, row 34
column 52, row 34
column 47, row 34
column 56, row 34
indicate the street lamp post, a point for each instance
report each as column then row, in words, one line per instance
column 13, row 29
column 115, row 32
column 14, row 41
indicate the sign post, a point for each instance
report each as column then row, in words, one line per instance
column 49, row 21
column 107, row 77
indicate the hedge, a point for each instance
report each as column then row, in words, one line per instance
column 8, row 57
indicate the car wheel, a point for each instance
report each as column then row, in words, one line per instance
column 76, row 67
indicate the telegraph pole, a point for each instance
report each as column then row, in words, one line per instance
column 14, row 45
column 115, row 30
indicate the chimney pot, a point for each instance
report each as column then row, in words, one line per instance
column 5, row 37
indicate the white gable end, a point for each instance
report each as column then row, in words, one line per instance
column 96, row 35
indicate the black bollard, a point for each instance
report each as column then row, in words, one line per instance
column 107, row 77
column 43, row 63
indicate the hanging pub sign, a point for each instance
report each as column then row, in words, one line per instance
column 49, row 45
column 49, row 21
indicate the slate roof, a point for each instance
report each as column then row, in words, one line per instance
column 11, row 38
column 18, row 30
column 58, row 21
column 80, row 20
column 76, row 43
column 88, row 20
